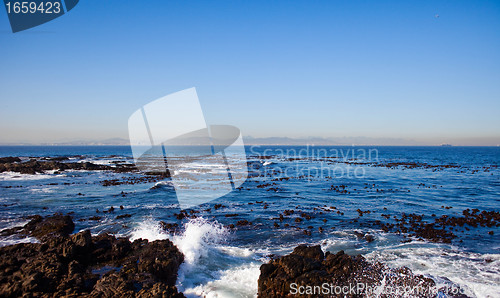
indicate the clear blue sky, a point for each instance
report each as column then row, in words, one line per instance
column 272, row 68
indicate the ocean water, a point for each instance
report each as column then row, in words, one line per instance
column 224, row 262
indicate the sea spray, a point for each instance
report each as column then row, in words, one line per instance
column 148, row 229
column 200, row 243
column 198, row 237
column 241, row 281
column 476, row 274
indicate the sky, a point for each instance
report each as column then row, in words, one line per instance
column 427, row 71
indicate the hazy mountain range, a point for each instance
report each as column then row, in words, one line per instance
column 248, row 140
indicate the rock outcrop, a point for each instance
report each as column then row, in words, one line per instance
column 82, row 265
column 38, row 165
column 336, row 275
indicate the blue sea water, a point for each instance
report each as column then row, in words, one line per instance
column 224, row 262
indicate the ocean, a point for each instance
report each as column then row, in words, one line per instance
column 337, row 193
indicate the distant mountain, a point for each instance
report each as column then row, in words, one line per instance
column 248, row 140
column 329, row 141
column 106, row 142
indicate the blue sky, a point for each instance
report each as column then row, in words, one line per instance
column 380, row 69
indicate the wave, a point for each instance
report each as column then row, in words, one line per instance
column 15, row 239
column 198, row 238
column 240, row 281
column 13, row 176
column 148, row 229
column 477, row 274
column 211, row 268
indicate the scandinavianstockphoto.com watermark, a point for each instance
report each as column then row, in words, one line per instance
column 171, row 134
column 369, row 290
column 312, row 162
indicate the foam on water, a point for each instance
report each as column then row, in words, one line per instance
column 13, row 176
column 477, row 274
column 148, row 229
column 240, row 281
column 162, row 183
column 199, row 236
column 210, row 268
column 43, row 189
column 15, row 239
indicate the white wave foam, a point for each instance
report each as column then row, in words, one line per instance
column 477, row 274
column 237, row 251
column 162, row 183
column 14, row 239
column 210, row 268
column 13, row 176
column 43, row 189
column 240, row 281
column 148, row 229
column 98, row 161
column 199, row 235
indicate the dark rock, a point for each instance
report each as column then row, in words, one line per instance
column 82, row 265
column 123, row 216
column 52, row 226
column 218, row 206
column 369, row 238
column 171, row 227
column 311, row 252
column 309, row 266
column 243, row 222
column 59, row 164
column 11, row 231
column 9, row 159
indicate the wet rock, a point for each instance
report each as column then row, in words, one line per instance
column 11, row 231
column 171, row 227
column 82, row 265
column 9, row 159
column 309, row 266
column 123, row 216
column 160, row 290
column 218, row 206
column 181, row 215
column 56, row 225
column 367, row 237
column 436, row 231
column 243, row 222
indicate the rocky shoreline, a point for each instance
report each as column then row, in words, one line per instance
column 65, row 264
column 40, row 165
column 81, row 265
column 309, row 272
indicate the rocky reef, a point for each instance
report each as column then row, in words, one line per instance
column 308, row 272
column 40, row 165
column 83, row 265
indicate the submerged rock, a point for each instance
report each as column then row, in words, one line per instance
column 82, row 265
